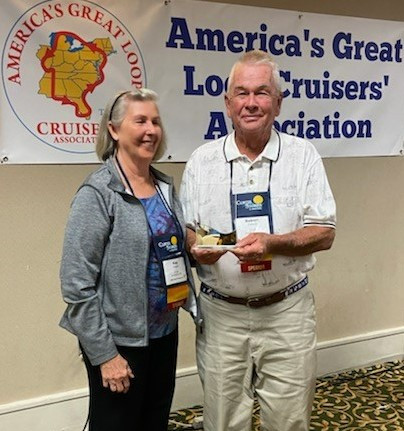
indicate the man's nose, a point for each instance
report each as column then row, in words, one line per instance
column 251, row 101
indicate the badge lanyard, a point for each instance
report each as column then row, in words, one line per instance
column 163, row 199
column 266, row 263
column 172, row 263
column 231, row 196
column 173, row 267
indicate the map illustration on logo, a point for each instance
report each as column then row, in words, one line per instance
column 73, row 68
column 61, row 63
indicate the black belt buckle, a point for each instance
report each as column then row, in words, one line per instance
column 253, row 302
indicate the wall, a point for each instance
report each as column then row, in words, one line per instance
column 358, row 284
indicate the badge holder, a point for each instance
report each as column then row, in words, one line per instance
column 253, row 214
column 172, row 263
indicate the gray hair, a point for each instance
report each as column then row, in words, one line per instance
column 257, row 57
column 115, row 112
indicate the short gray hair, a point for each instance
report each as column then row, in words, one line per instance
column 115, row 112
column 257, row 56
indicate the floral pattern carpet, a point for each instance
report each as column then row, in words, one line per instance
column 370, row 399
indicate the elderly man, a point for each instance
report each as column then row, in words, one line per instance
column 258, row 337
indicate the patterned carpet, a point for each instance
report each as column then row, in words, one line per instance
column 370, row 399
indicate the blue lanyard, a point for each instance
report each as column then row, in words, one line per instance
column 232, row 205
column 170, row 212
column 163, row 199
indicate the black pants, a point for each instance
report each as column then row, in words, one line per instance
column 146, row 406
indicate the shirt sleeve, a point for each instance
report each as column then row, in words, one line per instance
column 188, row 194
column 87, row 232
column 318, row 202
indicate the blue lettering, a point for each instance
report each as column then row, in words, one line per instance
column 285, row 74
column 217, row 126
column 348, row 129
column 312, row 131
column 213, row 85
column 251, row 38
column 345, row 48
column 285, row 126
column 292, row 48
column 272, row 47
column 179, row 31
column 397, row 48
column 376, row 93
column 211, row 37
column 342, row 37
column 365, row 129
column 214, row 81
column 317, row 46
column 371, row 51
column 351, row 90
column 189, row 83
column 233, row 39
column 327, row 128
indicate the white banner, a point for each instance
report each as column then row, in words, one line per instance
column 62, row 61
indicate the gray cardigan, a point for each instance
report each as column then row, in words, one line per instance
column 104, row 263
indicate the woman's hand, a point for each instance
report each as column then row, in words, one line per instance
column 206, row 256
column 116, row 374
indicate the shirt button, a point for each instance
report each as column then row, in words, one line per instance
column 251, row 181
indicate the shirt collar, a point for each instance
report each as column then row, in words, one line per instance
column 270, row 151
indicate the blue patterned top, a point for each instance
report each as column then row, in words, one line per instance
column 161, row 320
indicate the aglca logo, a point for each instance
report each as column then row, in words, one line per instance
column 61, row 63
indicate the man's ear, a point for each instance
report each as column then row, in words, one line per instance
column 227, row 103
column 279, row 104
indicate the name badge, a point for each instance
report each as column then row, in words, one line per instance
column 252, row 204
column 253, row 214
column 172, row 263
column 247, row 225
column 262, row 265
column 177, row 296
column 174, row 271
column 167, row 245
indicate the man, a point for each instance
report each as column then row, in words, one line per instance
column 258, row 337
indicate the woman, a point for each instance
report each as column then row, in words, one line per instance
column 124, row 271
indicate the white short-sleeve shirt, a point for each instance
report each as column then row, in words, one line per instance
column 292, row 169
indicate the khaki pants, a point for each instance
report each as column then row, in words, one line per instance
column 268, row 352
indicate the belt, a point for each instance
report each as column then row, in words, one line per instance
column 257, row 301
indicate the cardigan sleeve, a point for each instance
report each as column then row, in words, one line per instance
column 87, row 232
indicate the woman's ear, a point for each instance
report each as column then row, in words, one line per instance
column 113, row 131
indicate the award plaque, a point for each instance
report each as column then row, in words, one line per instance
column 207, row 237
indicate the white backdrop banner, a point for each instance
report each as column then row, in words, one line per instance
column 62, row 60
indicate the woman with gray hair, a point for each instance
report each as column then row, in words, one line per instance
column 125, row 273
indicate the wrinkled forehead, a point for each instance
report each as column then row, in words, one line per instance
column 247, row 74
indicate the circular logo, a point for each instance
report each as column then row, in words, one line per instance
column 61, row 63
column 174, row 240
column 258, row 199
